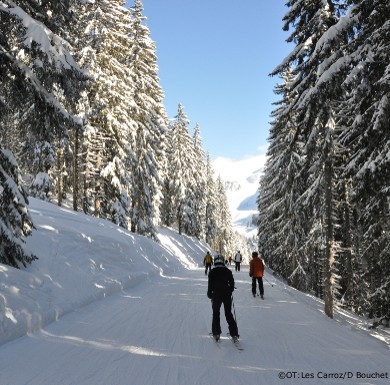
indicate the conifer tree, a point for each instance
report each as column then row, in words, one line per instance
column 15, row 220
column 111, row 137
column 167, row 211
column 280, row 217
column 180, row 168
column 88, row 142
column 199, row 185
column 148, row 115
column 223, row 240
column 211, row 202
column 367, row 138
column 40, row 80
column 310, row 105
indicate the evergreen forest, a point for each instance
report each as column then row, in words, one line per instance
column 324, row 203
column 83, row 123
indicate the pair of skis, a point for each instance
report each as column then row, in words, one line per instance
column 236, row 343
column 258, row 295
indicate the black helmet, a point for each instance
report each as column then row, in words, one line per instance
column 219, row 259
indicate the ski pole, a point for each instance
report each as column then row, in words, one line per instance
column 269, row 282
column 234, row 310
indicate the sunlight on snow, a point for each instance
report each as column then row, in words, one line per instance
column 87, row 237
column 49, row 228
column 9, row 315
column 166, row 242
column 104, row 345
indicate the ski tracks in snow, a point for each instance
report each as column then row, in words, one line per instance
column 157, row 333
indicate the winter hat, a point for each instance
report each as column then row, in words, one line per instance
column 219, row 259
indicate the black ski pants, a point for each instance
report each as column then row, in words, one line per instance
column 261, row 286
column 208, row 268
column 217, row 302
column 238, row 266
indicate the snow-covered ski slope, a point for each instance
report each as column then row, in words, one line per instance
column 130, row 311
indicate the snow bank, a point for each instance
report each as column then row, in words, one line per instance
column 82, row 259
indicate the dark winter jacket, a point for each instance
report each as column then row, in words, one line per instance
column 221, row 282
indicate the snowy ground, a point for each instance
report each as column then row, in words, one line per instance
column 130, row 311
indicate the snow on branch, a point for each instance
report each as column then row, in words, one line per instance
column 56, row 48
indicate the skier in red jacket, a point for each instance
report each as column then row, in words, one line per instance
column 256, row 271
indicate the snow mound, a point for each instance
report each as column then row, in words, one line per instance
column 82, row 259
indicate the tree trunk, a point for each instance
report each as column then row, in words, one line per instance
column 75, row 168
column 179, row 222
column 98, row 186
column 59, row 178
column 329, row 254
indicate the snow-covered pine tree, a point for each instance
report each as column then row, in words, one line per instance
column 39, row 75
column 79, row 141
column 199, row 187
column 223, row 240
column 193, row 203
column 111, row 131
column 167, row 211
column 367, row 138
column 188, row 213
column 312, row 107
column 280, row 231
column 211, row 202
column 331, row 205
column 71, row 157
column 88, row 141
column 243, row 244
column 15, row 220
column 181, row 168
column 149, row 116
column 358, row 61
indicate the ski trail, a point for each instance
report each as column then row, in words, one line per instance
column 157, row 333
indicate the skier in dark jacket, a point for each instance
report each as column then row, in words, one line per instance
column 220, row 289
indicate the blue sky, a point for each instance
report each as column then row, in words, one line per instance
column 214, row 57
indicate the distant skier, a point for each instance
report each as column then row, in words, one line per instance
column 256, row 271
column 220, row 289
column 238, row 260
column 207, row 262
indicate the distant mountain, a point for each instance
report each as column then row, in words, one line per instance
column 249, row 203
column 241, row 179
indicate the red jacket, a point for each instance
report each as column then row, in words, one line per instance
column 256, row 267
